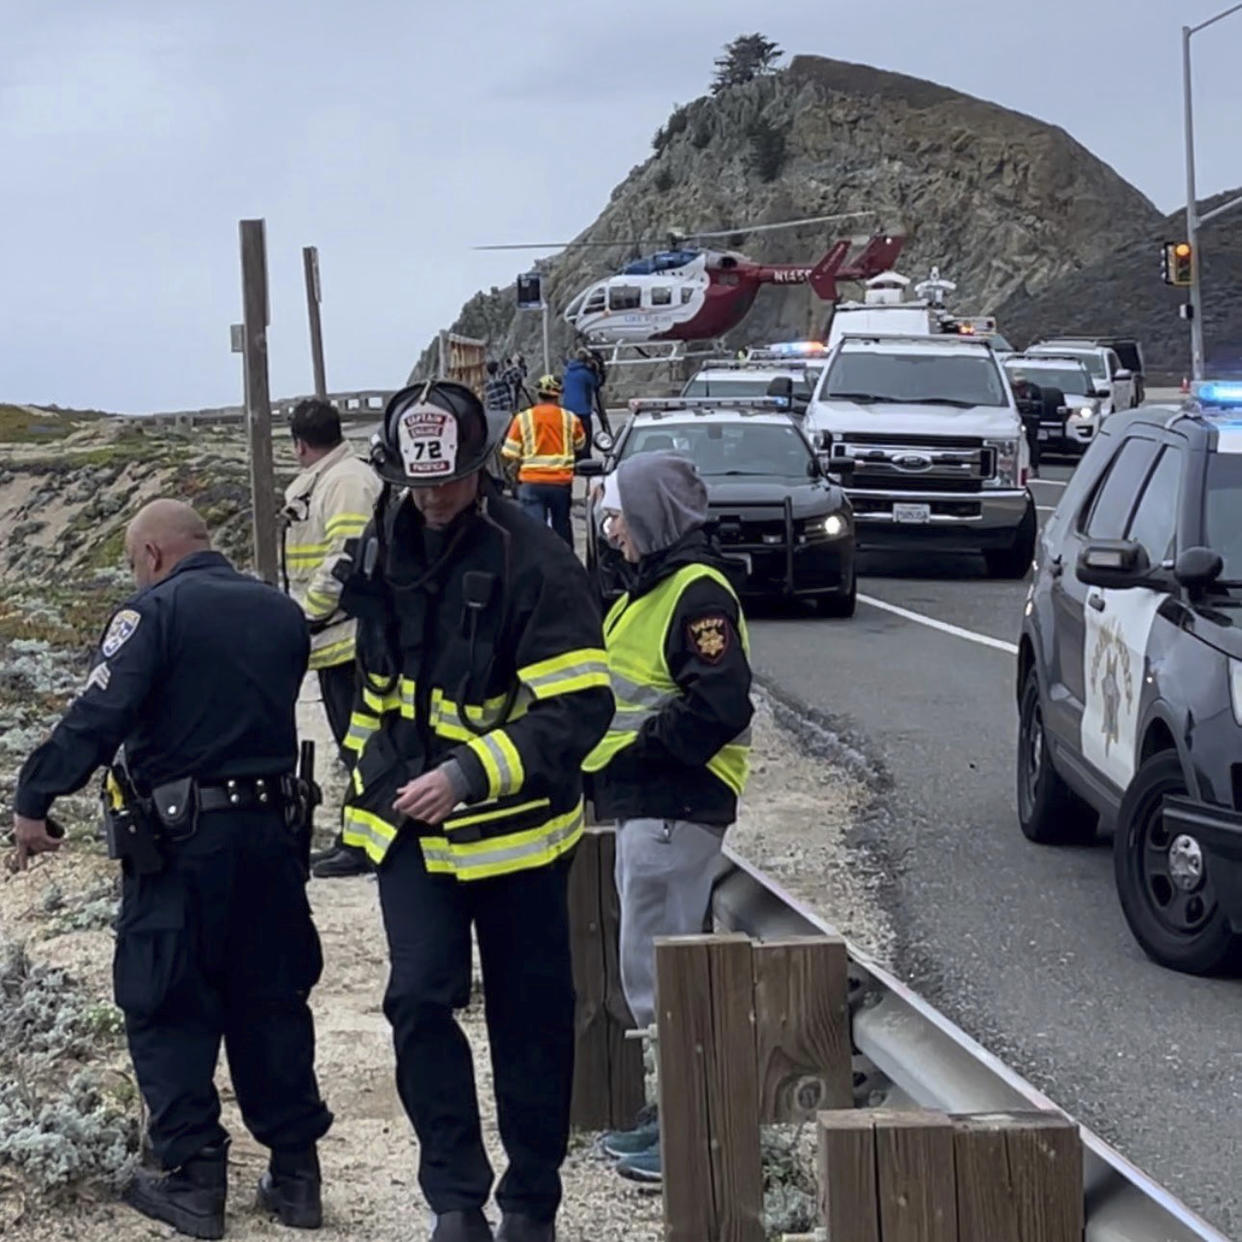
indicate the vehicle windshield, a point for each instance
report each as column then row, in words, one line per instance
column 773, row 450
column 1222, row 512
column 1068, row 379
column 1092, row 359
column 739, row 384
column 964, row 379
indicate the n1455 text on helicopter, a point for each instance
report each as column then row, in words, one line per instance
column 692, row 293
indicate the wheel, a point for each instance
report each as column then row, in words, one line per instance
column 1049, row 811
column 1165, row 889
column 843, row 604
column 1015, row 560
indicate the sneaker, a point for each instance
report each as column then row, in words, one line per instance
column 345, row 861
column 644, row 1167
column 621, row 1144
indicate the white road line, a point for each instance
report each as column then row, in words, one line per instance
column 984, row 640
column 1050, row 482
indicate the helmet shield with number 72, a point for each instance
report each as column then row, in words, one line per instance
column 434, row 432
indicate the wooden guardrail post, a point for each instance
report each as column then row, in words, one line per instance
column 608, row 1068
column 709, row 1090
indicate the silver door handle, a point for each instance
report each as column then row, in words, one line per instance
column 1096, row 602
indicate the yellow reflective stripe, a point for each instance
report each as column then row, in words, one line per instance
column 566, row 673
column 501, row 762
column 399, row 698
column 484, row 817
column 326, row 605
column 361, row 726
column 346, row 523
column 366, row 831
column 305, row 549
column 447, row 719
column 332, row 654
column 521, row 851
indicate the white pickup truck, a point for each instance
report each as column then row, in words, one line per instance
column 925, row 436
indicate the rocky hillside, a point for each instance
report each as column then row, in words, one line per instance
column 1122, row 294
column 1006, row 204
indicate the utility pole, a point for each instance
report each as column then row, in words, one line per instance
column 314, row 296
column 1193, row 219
column 547, row 354
column 257, row 316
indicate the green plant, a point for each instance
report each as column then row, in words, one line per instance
column 768, row 149
column 748, row 57
column 663, row 180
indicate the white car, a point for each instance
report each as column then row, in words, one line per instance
column 1072, row 425
column 925, row 435
column 748, row 378
column 1114, row 385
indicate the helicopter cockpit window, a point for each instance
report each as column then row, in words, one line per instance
column 571, row 311
column 625, row 297
column 661, row 295
column 595, row 302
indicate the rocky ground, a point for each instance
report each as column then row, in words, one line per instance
column 70, row 1116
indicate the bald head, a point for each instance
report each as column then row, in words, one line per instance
column 161, row 536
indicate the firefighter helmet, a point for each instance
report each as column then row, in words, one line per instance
column 434, row 432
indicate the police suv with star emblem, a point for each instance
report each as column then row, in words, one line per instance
column 1130, row 673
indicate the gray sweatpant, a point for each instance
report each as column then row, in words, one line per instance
column 665, row 870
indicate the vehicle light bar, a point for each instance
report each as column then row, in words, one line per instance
column 1219, row 392
column 641, row 404
column 787, row 349
column 757, row 360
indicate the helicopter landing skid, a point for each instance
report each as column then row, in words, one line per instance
column 655, row 353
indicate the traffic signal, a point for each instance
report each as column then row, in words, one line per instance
column 529, row 291
column 1176, row 264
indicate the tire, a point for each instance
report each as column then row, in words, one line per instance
column 1183, row 930
column 1014, row 562
column 1049, row 811
column 841, row 605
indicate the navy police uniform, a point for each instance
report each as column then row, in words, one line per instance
column 198, row 676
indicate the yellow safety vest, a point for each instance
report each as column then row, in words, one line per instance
column 635, row 632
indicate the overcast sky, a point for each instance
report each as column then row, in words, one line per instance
column 395, row 134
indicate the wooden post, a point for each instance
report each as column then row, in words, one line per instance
column 258, row 396
column 608, row 1068
column 1019, row 1177
column 915, row 1177
column 709, row 1090
column 314, row 296
column 802, row 1029
column 848, row 1198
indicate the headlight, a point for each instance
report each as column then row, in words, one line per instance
column 835, row 526
column 1088, row 411
column 1006, row 463
column 1235, row 687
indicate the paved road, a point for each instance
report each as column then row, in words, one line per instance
column 1024, row 946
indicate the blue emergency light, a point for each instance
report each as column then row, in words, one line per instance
column 1220, row 392
column 797, row 348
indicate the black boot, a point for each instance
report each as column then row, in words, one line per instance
column 344, row 861
column 469, row 1226
column 515, row 1228
column 290, row 1189
column 190, row 1198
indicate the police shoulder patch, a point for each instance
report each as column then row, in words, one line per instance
column 709, row 636
column 120, row 631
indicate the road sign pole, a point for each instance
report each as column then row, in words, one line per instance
column 314, row 296
column 258, row 396
column 1192, row 222
column 547, row 355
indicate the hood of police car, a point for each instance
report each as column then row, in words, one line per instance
column 996, row 422
column 809, row 497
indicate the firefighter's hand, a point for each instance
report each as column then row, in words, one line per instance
column 32, row 837
column 428, row 798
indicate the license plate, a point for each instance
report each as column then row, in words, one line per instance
column 914, row 514
column 742, row 558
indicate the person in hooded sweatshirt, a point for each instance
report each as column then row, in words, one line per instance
column 676, row 756
column 581, row 385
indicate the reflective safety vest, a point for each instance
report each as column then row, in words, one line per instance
column 635, row 634
column 543, row 440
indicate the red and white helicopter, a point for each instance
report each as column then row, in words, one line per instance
column 689, row 293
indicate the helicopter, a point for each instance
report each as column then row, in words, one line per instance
column 691, row 293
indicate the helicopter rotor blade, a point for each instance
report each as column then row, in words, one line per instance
column 574, row 245
column 783, row 224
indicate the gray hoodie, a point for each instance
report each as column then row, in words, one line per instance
column 662, row 498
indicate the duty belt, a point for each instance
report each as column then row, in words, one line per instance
column 179, row 803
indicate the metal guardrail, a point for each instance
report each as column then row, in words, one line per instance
column 929, row 1062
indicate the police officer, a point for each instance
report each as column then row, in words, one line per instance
column 198, row 675
column 483, row 686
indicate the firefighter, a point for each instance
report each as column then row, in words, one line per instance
column 541, row 445
column 676, row 756
column 198, row 675
column 483, row 685
column 329, row 503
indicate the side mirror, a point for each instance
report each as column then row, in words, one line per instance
column 603, row 441
column 1097, row 391
column 824, row 458
column 1118, row 563
column 1123, row 374
column 782, row 386
column 1197, row 568
column 589, row 468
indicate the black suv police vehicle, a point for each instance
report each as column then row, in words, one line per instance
column 1130, row 673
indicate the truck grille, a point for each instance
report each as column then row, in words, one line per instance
column 913, row 463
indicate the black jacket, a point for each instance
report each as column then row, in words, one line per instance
column 197, row 675
column 534, row 605
column 663, row 775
